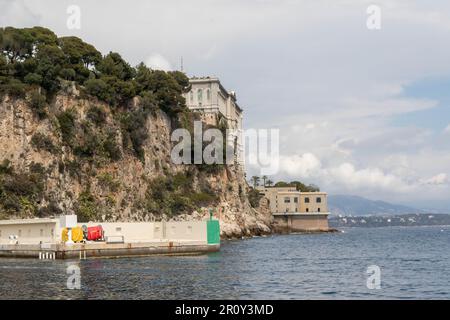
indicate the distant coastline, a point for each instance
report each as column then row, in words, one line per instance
column 405, row 220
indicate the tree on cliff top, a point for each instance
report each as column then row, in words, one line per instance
column 80, row 52
column 298, row 185
column 37, row 57
column 255, row 181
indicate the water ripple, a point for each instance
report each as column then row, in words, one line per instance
column 414, row 262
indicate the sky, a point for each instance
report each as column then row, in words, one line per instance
column 362, row 112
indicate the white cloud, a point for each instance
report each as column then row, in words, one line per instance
column 309, row 167
column 397, row 182
column 346, row 174
column 158, row 62
column 439, row 179
column 305, row 165
column 344, row 145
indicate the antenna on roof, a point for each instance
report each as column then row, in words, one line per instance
column 181, row 64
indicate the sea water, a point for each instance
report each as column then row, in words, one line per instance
column 413, row 262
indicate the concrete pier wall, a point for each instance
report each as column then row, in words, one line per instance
column 149, row 231
column 33, row 231
column 30, row 231
column 308, row 222
column 97, row 250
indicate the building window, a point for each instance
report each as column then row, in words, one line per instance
column 287, row 200
column 306, row 200
column 42, row 232
column 307, row 209
column 318, row 209
column 318, row 200
column 200, row 96
column 208, row 95
column 295, row 200
column 192, row 97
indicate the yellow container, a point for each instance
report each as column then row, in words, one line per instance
column 65, row 235
column 77, row 234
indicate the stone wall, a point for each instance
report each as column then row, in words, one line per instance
column 301, row 223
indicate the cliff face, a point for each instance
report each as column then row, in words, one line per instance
column 77, row 159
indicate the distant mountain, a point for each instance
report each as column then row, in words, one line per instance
column 359, row 206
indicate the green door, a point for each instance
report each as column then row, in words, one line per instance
column 213, row 231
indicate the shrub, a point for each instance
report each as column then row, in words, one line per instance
column 148, row 101
column 3, row 64
column 74, row 168
column 133, row 129
column 10, row 203
column 180, row 78
column 96, row 115
column 86, row 207
column 68, row 74
column 122, row 90
column 214, row 168
column 19, row 192
column 173, row 195
column 254, row 197
column 38, row 103
column 51, row 209
column 98, row 88
column 37, row 168
column 106, row 180
column 66, row 122
column 33, row 79
column 5, row 167
column 202, row 198
column 111, row 148
column 41, row 142
column 89, row 143
column 13, row 87
column 179, row 203
column 182, row 181
column 22, row 185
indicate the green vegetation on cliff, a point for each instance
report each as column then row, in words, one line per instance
column 20, row 192
column 102, row 127
column 173, row 193
column 300, row 186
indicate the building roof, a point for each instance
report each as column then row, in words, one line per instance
column 314, row 193
column 28, row 221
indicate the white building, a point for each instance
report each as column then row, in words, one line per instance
column 208, row 97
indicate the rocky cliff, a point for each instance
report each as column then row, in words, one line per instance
column 77, row 159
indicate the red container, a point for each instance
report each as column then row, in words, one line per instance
column 95, row 233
